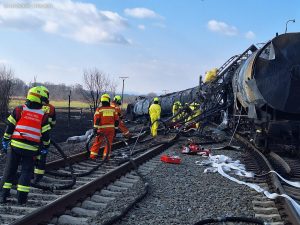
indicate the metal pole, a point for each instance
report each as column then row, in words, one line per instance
column 123, row 78
column 123, row 90
column 287, row 24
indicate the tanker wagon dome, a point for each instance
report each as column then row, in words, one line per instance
column 276, row 70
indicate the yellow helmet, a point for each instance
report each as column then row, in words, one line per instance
column 105, row 98
column 156, row 99
column 45, row 94
column 44, row 89
column 117, row 98
column 177, row 103
column 34, row 95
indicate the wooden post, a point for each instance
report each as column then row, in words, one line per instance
column 69, row 109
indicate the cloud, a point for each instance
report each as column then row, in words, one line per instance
column 250, row 35
column 142, row 13
column 79, row 21
column 221, row 27
column 141, row 27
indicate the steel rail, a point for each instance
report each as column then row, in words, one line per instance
column 289, row 209
column 57, row 207
column 83, row 155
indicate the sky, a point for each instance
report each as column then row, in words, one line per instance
column 160, row 45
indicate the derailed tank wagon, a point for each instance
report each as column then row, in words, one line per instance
column 262, row 86
column 259, row 88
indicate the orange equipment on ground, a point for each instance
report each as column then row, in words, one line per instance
column 170, row 159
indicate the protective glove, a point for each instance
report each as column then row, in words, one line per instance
column 44, row 151
column 5, row 144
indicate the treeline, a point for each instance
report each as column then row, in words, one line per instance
column 95, row 83
column 57, row 91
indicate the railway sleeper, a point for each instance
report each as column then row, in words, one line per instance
column 92, row 205
column 113, row 187
column 128, row 180
column 81, row 212
column 102, row 199
column 108, row 193
column 67, row 220
column 269, row 217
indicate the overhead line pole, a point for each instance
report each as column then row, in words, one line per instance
column 123, row 78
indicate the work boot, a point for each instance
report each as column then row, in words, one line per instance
column 22, row 197
column 5, row 192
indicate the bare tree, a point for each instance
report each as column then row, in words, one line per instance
column 6, row 83
column 19, row 88
column 96, row 83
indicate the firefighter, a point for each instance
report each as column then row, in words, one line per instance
column 105, row 120
column 175, row 109
column 154, row 112
column 48, row 109
column 116, row 104
column 195, row 108
column 27, row 133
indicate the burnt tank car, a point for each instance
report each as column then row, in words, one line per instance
column 142, row 104
column 266, row 88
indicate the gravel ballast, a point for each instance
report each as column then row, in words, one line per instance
column 183, row 194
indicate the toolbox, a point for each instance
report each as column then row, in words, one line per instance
column 170, row 159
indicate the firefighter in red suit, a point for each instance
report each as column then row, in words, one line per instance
column 122, row 127
column 27, row 133
column 105, row 120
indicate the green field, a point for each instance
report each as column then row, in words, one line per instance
column 59, row 104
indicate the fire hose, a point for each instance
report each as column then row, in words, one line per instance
column 93, row 169
column 231, row 219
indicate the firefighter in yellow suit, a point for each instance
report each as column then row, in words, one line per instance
column 154, row 112
column 195, row 107
column 175, row 109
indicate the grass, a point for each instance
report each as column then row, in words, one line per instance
column 59, row 104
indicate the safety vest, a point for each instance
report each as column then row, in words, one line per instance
column 29, row 127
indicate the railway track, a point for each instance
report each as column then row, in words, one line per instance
column 281, row 211
column 91, row 192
